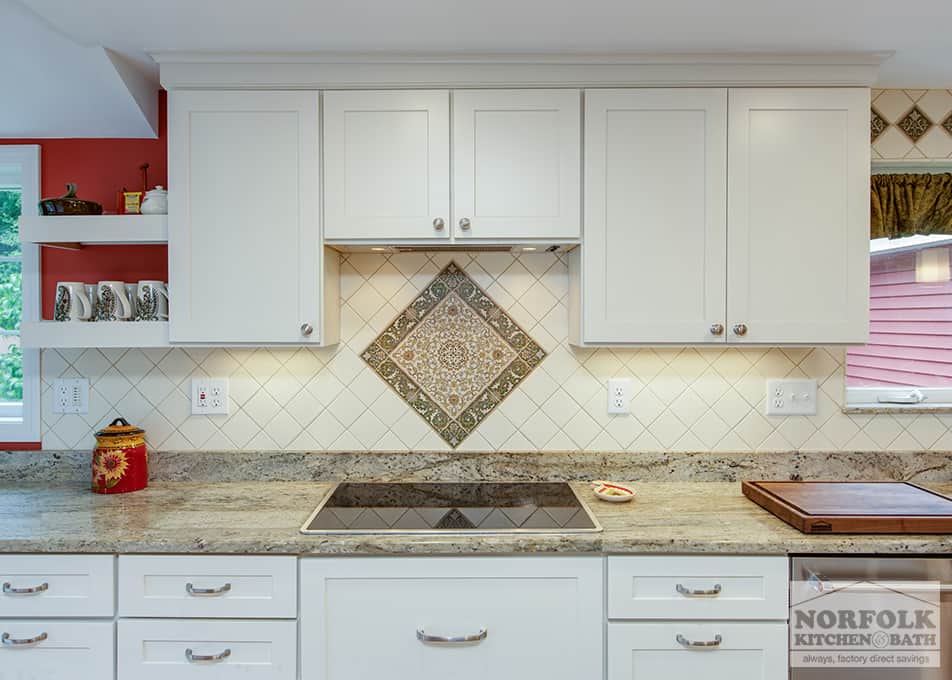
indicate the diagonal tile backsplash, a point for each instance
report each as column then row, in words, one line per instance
column 706, row 399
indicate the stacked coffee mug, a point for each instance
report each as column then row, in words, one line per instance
column 111, row 301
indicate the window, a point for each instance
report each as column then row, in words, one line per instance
column 908, row 360
column 19, row 369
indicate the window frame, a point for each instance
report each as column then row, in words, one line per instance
column 899, row 398
column 26, row 429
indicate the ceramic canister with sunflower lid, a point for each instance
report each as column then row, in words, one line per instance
column 120, row 461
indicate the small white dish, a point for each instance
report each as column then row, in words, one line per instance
column 612, row 493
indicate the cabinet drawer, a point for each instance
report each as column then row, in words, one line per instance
column 159, row 650
column 222, row 586
column 57, row 585
column 530, row 618
column 648, row 651
column 70, row 650
column 663, row 587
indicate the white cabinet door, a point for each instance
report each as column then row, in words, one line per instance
column 60, row 650
column 649, row 651
column 652, row 268
column 244, row 237
column 516, row 164
column 386, row 165
column 382, row 618
column 799, row 215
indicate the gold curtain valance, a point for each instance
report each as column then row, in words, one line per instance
column 906, row 205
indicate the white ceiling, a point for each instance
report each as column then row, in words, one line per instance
column 918, row 33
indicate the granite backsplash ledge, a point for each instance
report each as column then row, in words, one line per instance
column 236, row 466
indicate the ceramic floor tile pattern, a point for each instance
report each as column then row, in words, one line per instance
column 684, row 400
column 453, row 354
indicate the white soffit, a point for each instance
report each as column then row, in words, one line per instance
column 54, row 87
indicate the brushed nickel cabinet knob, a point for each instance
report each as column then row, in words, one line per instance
column 717, row 329
column 464, row 224
column 438, row 224
column 306, row 329
column 739, row 329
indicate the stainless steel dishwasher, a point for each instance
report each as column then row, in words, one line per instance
column 920, row 589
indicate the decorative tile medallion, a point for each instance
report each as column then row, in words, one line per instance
column 947, row 124
column 915, row 124
column 453, row 354
column 877, row 125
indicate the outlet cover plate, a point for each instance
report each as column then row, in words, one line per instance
column 209, row 396
column 791, row 397
column 71, row 395
column 619, row 396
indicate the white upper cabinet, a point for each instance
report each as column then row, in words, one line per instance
column 516, row 164
column 652, row 266
column 798, row 210
column 514, row 177
column 245, row 256
column 387, row 165
column 738, row 216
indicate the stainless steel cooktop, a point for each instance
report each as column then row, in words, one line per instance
column 451, row 508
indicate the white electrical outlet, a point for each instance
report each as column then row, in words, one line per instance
column 71, row 395
column 619, row 395
column 793, row 397
column 209, row 396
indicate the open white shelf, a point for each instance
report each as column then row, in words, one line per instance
column 77, row 230
column 57, row 334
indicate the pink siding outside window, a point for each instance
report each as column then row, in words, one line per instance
column 910, row 340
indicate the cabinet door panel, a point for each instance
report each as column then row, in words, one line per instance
column 542, row 618
column 243, row 217
column 653, row 262
column 386, row 165
column 648, row 651
column 516, row 164
column 799, row 215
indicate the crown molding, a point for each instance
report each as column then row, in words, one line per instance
column 342, row 70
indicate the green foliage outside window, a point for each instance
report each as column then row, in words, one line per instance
column 11, row 361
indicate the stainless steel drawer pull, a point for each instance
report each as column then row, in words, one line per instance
column 687, row 592
column 8, row 589
column 23, row 642
column 192, row 590
column 684, row 642
column 451, row 639
column 198, row 658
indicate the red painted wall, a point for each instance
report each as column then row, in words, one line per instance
column 100, row 168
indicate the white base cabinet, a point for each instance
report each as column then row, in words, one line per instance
column 205, row 648
column 465, row 618
column 674, row 651
column 57, row 650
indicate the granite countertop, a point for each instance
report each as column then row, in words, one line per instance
column 264, row 517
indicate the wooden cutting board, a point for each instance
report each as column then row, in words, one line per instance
column 854, row 507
